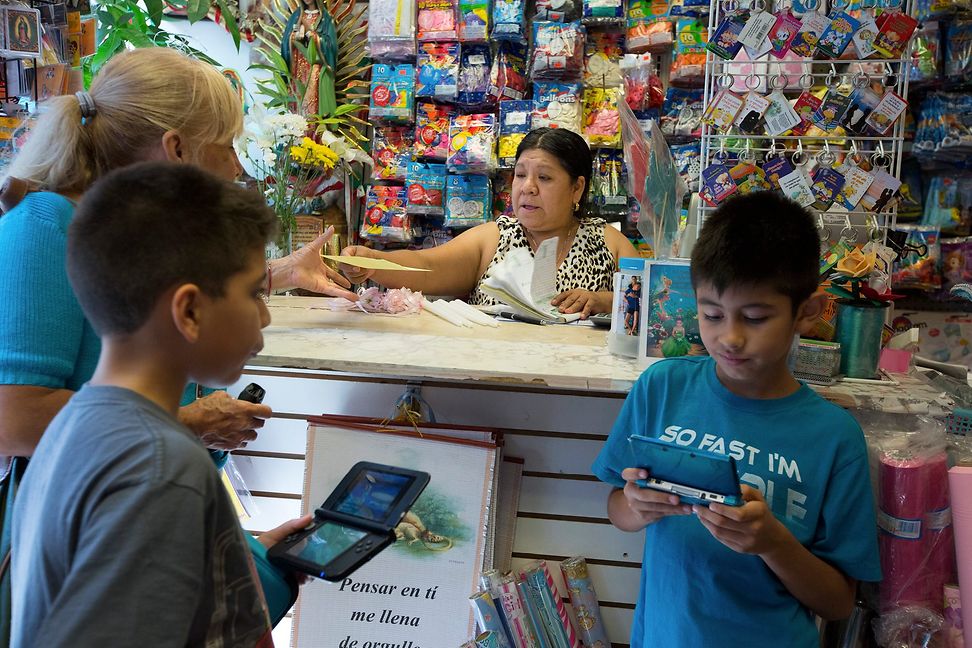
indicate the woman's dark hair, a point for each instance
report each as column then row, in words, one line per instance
column 571, row 151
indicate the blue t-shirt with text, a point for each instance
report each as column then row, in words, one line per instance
column 808, row 459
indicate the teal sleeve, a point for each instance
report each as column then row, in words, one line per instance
column 616, row 454
column 279, row 585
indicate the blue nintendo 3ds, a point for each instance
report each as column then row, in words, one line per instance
column 696, row 476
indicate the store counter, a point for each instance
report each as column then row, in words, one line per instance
column 553, row 392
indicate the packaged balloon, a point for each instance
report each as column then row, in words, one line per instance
column 391, row 29
column 608, row 195
column 602, row 121
column 392, row 93
column 391, row 150
column 603, row 51
column 557, row 105
column 561, row 11
column 681, row 114
column 468, row 200
column 515, row 123
column 474, row 67
column 503, row 194
column 437, row 20
column 507, row 76
column 602, row 11
column 472, row 143
column 509, row 19
column 642, row 88
column 688, row 65
column 424, row 188
column 432, row 131
column 438, row 71
column 558, row 50
column 473, row 20
column 386, row 218
column 650, row 35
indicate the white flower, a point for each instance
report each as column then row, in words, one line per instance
column 269, row 157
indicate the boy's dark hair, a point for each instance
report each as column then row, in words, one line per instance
column 144, row 228
column 571, row 151
column 759, row 239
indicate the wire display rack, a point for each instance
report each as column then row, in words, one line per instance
column 792, row 77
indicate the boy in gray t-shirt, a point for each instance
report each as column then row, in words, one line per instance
column 122, row 532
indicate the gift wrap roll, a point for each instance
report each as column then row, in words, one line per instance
column 487, row 640
column 529, row 603
column 583, row 598
column 487, row 617
column 516, row 616
column 546, row 607
column 915, row 521
column 561, row 608
column 960, row 486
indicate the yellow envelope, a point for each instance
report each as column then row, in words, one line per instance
column 369, row 263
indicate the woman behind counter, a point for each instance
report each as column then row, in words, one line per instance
column 550, row 183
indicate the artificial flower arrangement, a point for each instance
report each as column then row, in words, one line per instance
column 293, row 165
column 861, row 275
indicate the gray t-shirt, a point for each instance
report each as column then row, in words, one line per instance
column 124, row 536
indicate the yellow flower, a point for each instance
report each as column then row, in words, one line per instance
column 311, row 153
column 856, row 264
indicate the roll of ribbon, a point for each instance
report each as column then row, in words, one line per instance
column 960, row 487
column 583, row 598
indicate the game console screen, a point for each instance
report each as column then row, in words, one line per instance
column 373, row 494
column 326, row 543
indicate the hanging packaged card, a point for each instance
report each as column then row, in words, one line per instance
column 805, row 42
column 827, row 183
column 718, row 182
column 756, row 30
column 795, row 187
column 827, row 117
column 724, row 42
column 723, row 110
column 894, row 34
column 806, row 104
column 749, row 178
column 775, row 168
column 864, row 38
column 783, row 32
column 883, row 194
column 862, row 103
column 780, row 116
column 883, row 116
column 838, row 34
column 856, row 182
column 751, row 115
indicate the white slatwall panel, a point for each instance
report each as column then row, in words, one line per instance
column 561, row 510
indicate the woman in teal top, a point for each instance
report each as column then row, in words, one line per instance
column 143, row 105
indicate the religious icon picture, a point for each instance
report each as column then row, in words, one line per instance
column 22, row 30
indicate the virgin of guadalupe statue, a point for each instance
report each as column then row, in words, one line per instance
column 312, row 26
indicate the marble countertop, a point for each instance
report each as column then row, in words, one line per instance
column 305, row 333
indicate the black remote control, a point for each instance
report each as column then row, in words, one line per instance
column 253, row 393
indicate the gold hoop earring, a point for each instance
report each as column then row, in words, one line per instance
column 576, row 206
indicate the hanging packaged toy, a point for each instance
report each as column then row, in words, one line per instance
column 432, row 131
column 474, row 67
column 391, row 29
column 424, row 187
column 689, row 61
column 958, row 49
column 561, row 11
column 882, row 118
column 722, row 112
column 925, row 54
column 472, row 144
column 509, row 18
column 602, row 121
column 893, row 34
column 642, row 87
column 608, row 195
column 813, row 25
column 385, row 216
column 920, row 268
column 863, row 101
column 602, row 59
column 681, row 113
column 687, row 159
column 956, row 262
column 437, row 20
column 438, row 71
column 391, row 150
column 468, row 200
column 838, row 34
column 507, row 76
column 724, row 42
column 782, row 34
column 473, row 20
column 557, row 105
column 558, row 50
column 648, row 26
column 603, row 11
column 392, row 93
column 514, row 125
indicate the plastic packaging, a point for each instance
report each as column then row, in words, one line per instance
column 474, row 18
column 468, row 200
column 557, row 10
column 515, row 123
column 507, row 76
column 437, row 20
column 920, row 268
column 391, row 29
column 603, row 51
column 438, row 71
column 583, row 599
column 689, row 62
column 602, row 122
column 557, row 105
column 425, row 186
column 391, row 150
column 392, row 93
column 558, row 51
column 474, row 68
column 681, row 114
column 509, row 18
column 626, row 311
column 958, row 49
column 608, row 196
column 472, row 143
column 603, row 11
column 648, row 26
column 432, row 131
column 642, row 88
column 385, row 216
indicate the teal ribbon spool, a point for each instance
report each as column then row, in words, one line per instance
column 859, row 330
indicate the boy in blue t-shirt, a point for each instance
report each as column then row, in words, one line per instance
column 753, row 575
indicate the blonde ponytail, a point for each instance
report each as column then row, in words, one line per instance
column 138, row 96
